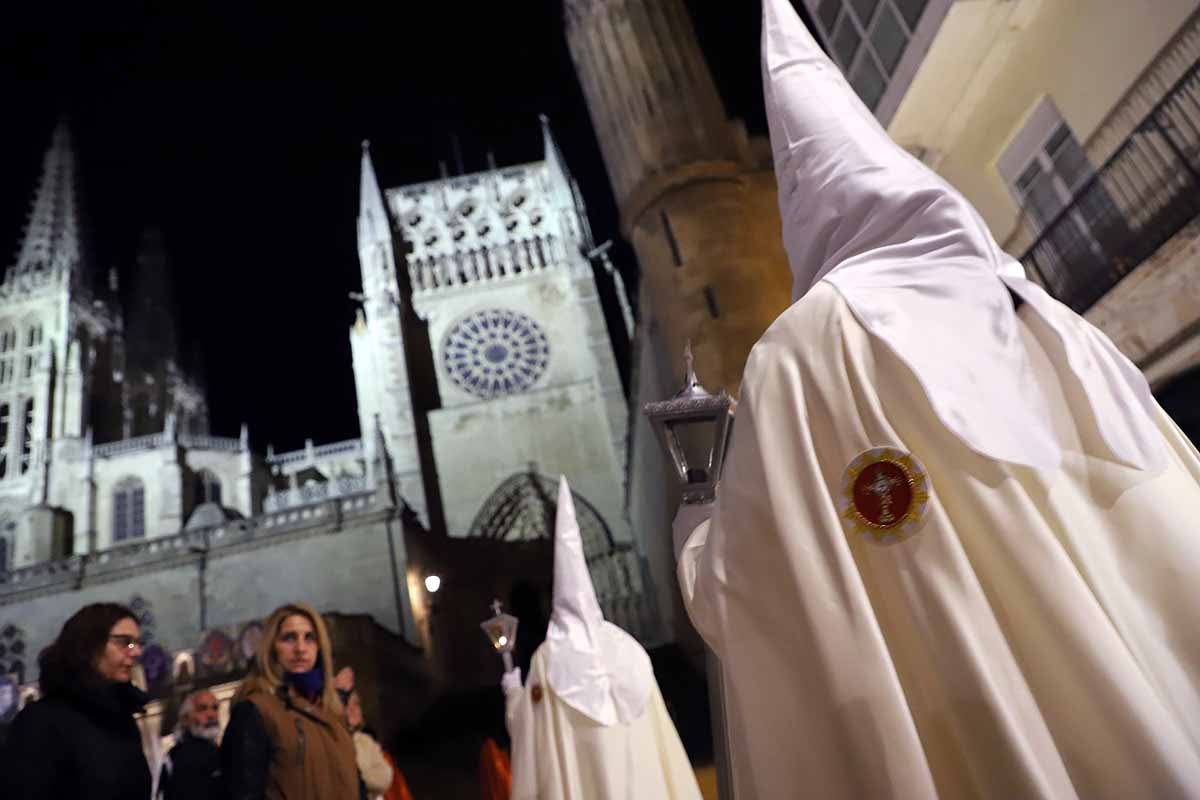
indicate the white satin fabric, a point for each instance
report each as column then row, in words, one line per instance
column 921, row 271
column 592, row 665
column 560, row 754
column 1036, row 638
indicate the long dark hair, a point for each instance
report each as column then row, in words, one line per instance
column 68, row 665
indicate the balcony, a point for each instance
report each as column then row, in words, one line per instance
column 1145, row 193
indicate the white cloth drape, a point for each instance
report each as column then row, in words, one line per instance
column 1036, row 638
column 559, row 753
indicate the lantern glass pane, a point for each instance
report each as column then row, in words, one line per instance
column 695, row 438
column 501, row 631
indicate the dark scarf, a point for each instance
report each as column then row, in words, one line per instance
column 307, row 684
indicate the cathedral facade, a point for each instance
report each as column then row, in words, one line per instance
column 484, row 368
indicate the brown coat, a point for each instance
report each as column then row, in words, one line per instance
column 312, row 754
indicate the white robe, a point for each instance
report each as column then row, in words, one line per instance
column 560, row 754
column 1037, row 638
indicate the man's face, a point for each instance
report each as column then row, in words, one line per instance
column 204, row 720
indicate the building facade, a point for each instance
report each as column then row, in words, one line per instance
column 1074, row 128
column 484, row 369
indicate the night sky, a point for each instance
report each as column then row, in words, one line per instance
column 236, row 128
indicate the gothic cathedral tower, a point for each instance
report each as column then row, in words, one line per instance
column 494, row 306
column 697, row 198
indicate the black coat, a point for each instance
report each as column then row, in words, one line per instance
column 193, row 771
column 84, row 745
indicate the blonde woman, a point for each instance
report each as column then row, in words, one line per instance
column 286, row 738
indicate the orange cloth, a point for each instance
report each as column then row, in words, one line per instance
column 495, row 773
column 399, row 788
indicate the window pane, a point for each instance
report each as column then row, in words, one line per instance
column 911, row 10
column 1070, row 162
column 1043, row 199
column 845, row 42
column 889, row 40
column 120, row 516
column 828, row 12
column 137, row 527
column 864, row 9
column 868, row 82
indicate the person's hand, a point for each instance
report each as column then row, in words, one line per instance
column 511, row 679
column 344, row 680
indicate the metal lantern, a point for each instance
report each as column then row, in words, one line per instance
column 501, row 631
column 693, row 427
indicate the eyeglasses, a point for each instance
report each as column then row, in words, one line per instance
column 126, row 641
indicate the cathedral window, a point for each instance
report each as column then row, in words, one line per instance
column 8, row 340
column 5, row 426
column 3, row 556
column 27, row 371
column 495, row 352
column 34, row 336
column 207, row 488
column 27, row 436
column 6, row 371
column 129, row 510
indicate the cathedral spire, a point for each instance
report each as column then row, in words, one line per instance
column 372, row 218
column 554, row 160
column 563, row 189
column 52, row 236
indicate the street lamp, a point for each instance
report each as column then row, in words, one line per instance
column 501, row 631
column 693, row 427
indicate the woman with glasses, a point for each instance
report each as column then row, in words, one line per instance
column 287, row 738
column 80, row 739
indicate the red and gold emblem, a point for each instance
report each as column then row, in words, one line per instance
column 885, row 493
column 536, row 692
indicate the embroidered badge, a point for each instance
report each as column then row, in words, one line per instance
column 885, row 493
column 536, row 693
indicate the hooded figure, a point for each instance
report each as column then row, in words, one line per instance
column 590, row 722
column 954, row 551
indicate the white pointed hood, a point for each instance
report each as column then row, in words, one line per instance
column 592, row 665
column 920, row 270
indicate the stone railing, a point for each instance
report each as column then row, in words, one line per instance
column 182, row 547
column 226, row 443
column 152, row 441
column 310, row 454
column 314, row 493
column 123, row 446
column 467, row 267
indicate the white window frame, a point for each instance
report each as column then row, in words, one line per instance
column 131, row 487
column 919, row 41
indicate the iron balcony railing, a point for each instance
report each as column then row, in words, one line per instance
column 1137, row 201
